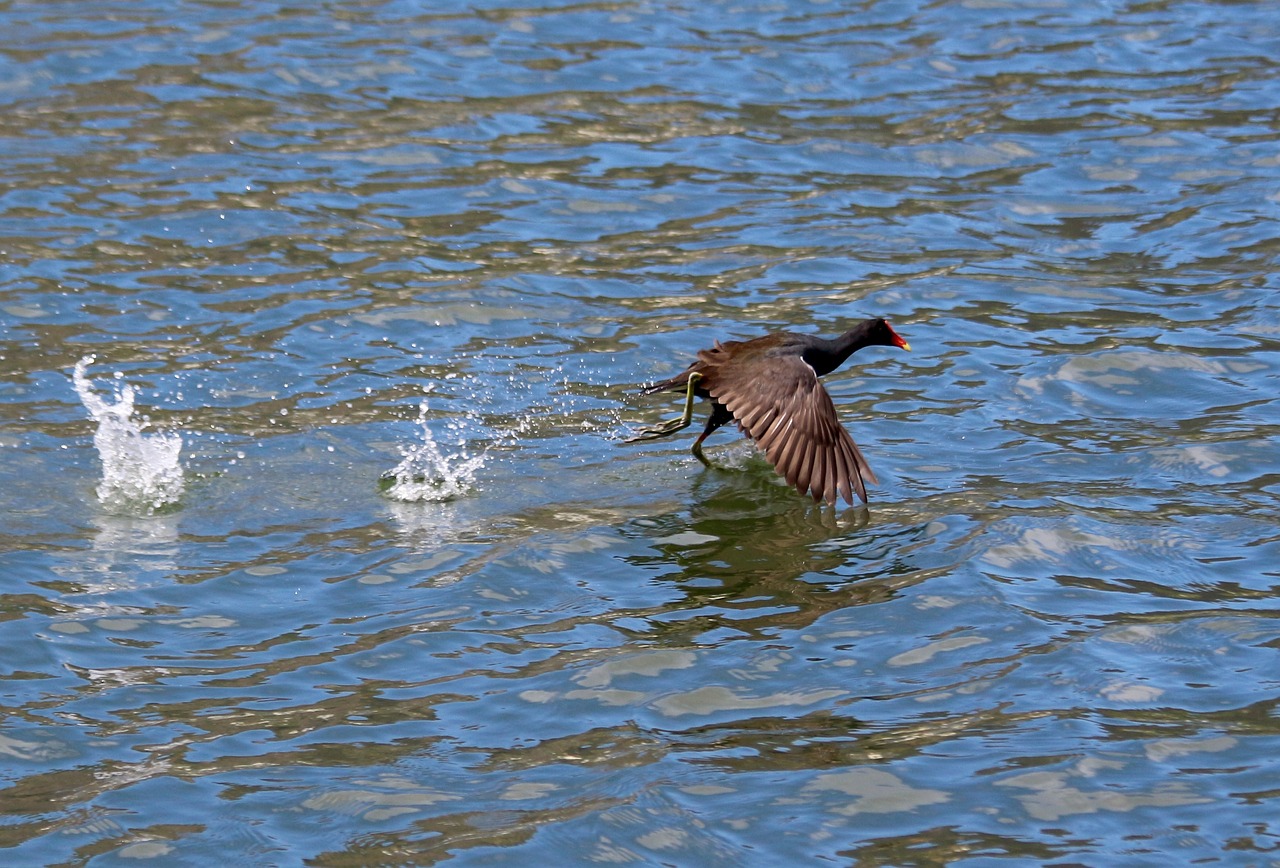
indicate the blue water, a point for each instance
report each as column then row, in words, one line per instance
column 317, row 241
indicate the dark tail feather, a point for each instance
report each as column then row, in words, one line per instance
column 679, row 382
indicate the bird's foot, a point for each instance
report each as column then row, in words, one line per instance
column 666, row 429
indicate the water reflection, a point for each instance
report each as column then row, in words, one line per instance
column 129, row 550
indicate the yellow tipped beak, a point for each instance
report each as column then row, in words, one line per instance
column 895, row 338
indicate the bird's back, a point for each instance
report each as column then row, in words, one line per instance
column 742, row 355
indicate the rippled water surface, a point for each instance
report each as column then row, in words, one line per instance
column 320, row 240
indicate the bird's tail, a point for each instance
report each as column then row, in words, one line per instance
column 678, row 383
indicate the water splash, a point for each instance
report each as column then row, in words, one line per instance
column 430, row 473
column 141, row 473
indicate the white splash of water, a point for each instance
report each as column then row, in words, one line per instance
column 431, row 471
column 141, row 473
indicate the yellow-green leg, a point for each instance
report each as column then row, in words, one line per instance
column 697, row 449
column 720, row 415
column 668, row 428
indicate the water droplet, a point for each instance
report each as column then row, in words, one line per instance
column 140, row 473
column 426, row 473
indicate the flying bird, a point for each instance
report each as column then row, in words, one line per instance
column 770, row 387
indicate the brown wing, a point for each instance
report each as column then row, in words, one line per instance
column 779, row 402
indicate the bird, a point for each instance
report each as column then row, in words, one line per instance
column 769, row 386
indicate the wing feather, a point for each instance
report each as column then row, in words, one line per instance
column 804, row 466
column 818, row 483
column 780, row 403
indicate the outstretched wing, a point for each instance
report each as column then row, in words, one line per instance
column 780, row 403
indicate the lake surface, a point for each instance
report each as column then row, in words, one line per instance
column 314, row 242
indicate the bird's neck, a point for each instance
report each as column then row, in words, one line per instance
column 828, row 355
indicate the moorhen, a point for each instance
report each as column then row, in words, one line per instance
column 770, row 387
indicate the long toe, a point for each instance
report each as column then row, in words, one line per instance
column 664, row 430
